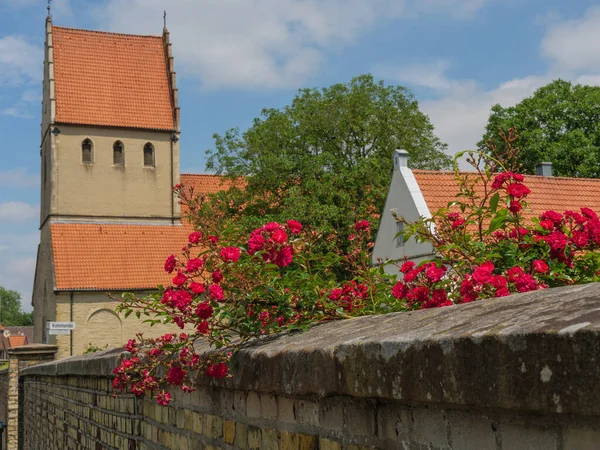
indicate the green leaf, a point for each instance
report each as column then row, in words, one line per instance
column 494, row 202
column 498, row 220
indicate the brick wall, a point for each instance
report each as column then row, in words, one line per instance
column 4, row 401
column 513, row 374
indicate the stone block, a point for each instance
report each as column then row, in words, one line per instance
column 253, row 405
column 254, row 438
column 241, row 436
column 289, row 441
column 270, row 440
column 213, row 426
column 430, row 427
column 239, row 403
column 331, row 414
column 581, row 439
column 229, row 431
column 307, row 412
column 471, row 430
column 394, row 422
column 308, row 442
column 326, row 444
column 522, row 437
column 360, row 417
column 268, row 406
column 286, row 410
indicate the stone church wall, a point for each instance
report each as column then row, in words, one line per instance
column 518, row 373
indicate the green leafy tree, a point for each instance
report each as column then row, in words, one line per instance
column 10, row 309
column 559, row 123
column 326, row 159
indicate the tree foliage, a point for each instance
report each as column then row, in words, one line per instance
column 326, row 159
column 560, row 123
column 10, row 309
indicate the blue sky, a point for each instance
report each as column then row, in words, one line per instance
column 235, row 57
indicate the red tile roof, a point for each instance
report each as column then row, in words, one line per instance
column 121, row 256
column 113, row 257
column 111, row 79
column 560, row 194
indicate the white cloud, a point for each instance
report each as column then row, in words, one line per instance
column 263, row 43
column 20, row 61
column 19, row 177
column 19, row 110
column 573, row 44
column 18, row 211
column 461, row 110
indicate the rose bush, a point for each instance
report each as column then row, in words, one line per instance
column 228, row 288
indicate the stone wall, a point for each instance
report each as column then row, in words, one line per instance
column 514, row 373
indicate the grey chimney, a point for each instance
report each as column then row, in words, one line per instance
column 544, row 169
column 400, row 158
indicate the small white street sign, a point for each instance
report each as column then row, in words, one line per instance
column 58, row 331
column 66, row 326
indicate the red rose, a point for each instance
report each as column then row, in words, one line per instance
column 517, row 190
column 163, row 398
column 182, row 299
column 204, row 310
column 458, row 223
column 202, row 327
column 513, row 273
column 217, row 276
column 216, row 292
column 335, row 294
column 279, row 236
column 213, row 240
column 197, row 288
column 362, row 225
column 553, row 216
column 294, row 226
column 399, row 290
column 195, row 237
column 176, row 375
column 179, row 279
column 515, row 206
column 589, row 213
column 230, row 254
column 170, row 264
column 540, row 266
column 483, row 273
column 435, row 273
column 271, row 226
column 526, row 283
column 256, row 243
column 407, row 267
column 194, row 264
column 284, row 256
column 218, row 370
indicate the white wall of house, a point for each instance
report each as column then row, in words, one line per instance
column 406, row 199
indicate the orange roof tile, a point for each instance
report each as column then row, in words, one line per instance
column 113, row 256
column 111, row 79
column 205, row 183
column 560, row 194
column 17, row 341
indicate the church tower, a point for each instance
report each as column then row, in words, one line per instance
column 109, row 160
column 110, row 128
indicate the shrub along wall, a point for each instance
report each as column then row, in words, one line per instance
column 515, row 373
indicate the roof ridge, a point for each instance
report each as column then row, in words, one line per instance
column 464, row 172
column 112, row 33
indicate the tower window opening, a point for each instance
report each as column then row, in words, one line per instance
column 148, row 155
column 87, row 152
column 118, row 154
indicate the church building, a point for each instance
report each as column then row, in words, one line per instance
column 109, row 159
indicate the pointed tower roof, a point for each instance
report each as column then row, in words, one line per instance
column 112, row 79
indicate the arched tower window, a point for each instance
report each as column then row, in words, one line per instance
column 118, row 154
column 87, row 152
column 148, row 155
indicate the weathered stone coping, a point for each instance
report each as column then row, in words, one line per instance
column 536, row 352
